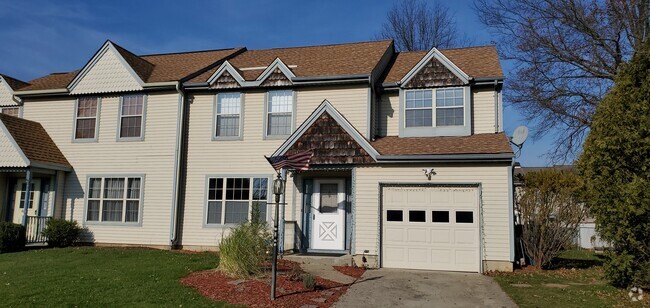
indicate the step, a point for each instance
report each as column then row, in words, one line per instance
column 323, row 259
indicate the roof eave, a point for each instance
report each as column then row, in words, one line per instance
column 482, row 157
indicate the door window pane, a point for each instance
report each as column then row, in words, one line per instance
column 417, row 216
column 440, row 216
column 394, row 215
column 466, row 217
column 329, row 202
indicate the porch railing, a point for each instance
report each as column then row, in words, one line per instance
column 34, row 229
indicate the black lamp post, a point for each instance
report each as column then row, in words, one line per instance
column 278, row 188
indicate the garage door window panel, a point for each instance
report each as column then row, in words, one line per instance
column 417, row 216
column 440, row 216
column 464, row 217
column 394, row 215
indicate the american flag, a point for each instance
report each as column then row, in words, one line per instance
column 298, row 161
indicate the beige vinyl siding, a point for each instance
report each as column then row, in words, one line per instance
column 108, row 74
column 6, row 95
column 484, row 116
column 494, row 206
column 351, row 102
column 246, row 157
column 153, row 157
column 389, row 114
column 10, row 155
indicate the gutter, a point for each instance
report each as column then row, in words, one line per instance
column 177, row 181
column 498, row 157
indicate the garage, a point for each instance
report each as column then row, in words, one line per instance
column 430, row 228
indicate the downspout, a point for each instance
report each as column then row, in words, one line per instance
column 496, row 107
column 177, row 182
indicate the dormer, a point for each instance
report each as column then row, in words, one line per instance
column 228, row 76
column 435, row 93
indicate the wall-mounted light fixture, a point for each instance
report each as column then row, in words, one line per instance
column 428, row 172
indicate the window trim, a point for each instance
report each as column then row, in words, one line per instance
column 143, row 123
column 265, row 130
column 122, row 223
column 97, row 119
column 434, row 129
column 206, row 192
column 215, row 101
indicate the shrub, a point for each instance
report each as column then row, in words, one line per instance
column 244, row 251
column 551, row 212
column 12, row 237
column 308, row 281
column 61, row 232
column 615, row 167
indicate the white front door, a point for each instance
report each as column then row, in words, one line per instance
column 328, row 214
column 19, row 199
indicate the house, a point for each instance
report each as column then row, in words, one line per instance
column 410, row 167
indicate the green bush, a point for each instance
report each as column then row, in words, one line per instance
column 12, row 237
column 61, row 232
column 308, row 281
column 244, row 251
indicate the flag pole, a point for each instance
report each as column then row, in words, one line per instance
column 278, row 188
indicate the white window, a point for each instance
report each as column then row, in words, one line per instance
column 12, row 111
column 228, row 115
column 231, row 200
column 279, row 113
column 419, row 108
column 86, row 118
column 449, row 109
column 131, row 116
column 114, row 199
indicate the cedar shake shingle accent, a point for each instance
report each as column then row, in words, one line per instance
column 225, row 81
column 434, row 74
column 34, row 141
column 151, row 68
column 474, row 144
column 311, row 61
column 331, row 144
column 481, row 61
column 14, row 83
column 276, row 79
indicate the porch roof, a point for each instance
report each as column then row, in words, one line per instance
column 25, row 143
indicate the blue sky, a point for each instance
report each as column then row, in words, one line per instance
column 41, row 37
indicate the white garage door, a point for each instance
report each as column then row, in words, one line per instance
column 432, row 228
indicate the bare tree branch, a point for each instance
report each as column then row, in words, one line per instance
column 565, row 55
column 418, row 25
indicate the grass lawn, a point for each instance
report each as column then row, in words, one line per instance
column 88, row 276
column 581, row 274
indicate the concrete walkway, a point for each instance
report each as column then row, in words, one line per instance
column 410, row 288
column 328, row 272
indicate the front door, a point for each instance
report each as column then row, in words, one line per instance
column 19, row 200
column 328, row 214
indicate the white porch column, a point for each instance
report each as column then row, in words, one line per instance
column 28, row 191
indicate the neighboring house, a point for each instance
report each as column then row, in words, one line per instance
column 8, row 103
column 411, row 168
column 586, row 237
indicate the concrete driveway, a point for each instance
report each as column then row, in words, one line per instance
column 410, row 288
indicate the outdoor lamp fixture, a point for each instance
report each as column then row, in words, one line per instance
column 278, row 189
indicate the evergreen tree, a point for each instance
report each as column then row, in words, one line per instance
column 615, row 166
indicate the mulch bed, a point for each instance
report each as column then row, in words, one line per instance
column 351, row 271
column 255, row 292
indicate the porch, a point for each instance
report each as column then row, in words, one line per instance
column 32, row 175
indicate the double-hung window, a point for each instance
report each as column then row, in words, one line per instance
column 233, row 200
column 86, row 118
column 131, row 116
column 114, row 199
column 12, row 111
column 449, row 109
column 419, row 110
column 279, row 113
column 228, row 116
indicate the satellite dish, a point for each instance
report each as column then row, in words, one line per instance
column 519, row 136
